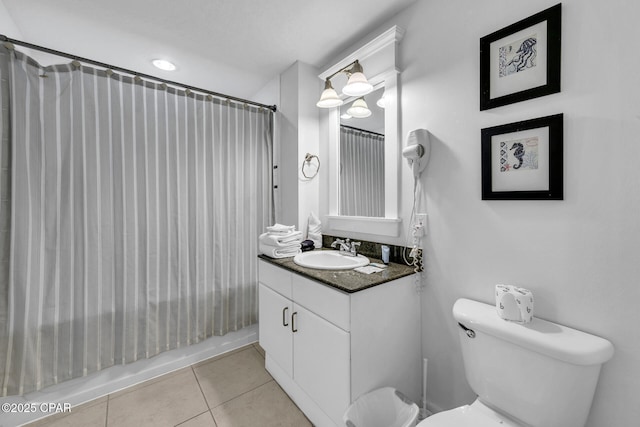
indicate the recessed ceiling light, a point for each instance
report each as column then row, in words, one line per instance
column 163, row 64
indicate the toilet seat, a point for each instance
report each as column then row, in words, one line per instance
column 474, row 415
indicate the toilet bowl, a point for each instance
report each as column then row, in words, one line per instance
column 524, row 375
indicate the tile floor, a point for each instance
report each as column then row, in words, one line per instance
column 230, row 390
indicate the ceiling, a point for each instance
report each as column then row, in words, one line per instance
column 230, row 46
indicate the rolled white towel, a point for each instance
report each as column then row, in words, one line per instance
column 314, row 231
column 277, row 252
column 293, row 238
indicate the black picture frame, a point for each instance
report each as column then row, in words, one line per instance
column 541, row 142
column 503, row 78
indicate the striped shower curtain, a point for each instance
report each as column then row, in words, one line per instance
column 361, row 173
column 128, row 220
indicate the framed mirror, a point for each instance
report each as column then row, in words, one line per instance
column 378, row 59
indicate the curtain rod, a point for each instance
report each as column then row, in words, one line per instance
column 4, row 38
column 362, row 130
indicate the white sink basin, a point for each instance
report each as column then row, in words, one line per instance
column 329, row 260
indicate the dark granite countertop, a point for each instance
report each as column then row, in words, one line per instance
column 345, row 280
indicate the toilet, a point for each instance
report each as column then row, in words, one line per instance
column 539, row 374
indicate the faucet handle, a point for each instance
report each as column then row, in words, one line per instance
column 337, row 242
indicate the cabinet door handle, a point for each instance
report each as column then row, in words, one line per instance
column 293, row 322
column 284, row 316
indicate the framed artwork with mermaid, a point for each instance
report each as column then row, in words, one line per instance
column 521, row 61
column 523, row 160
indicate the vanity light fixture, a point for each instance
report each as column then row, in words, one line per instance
column 359, row 109
column 357, row 85
column 329, row 97
column 345, row 116
column 163, row 64
column 382, row 102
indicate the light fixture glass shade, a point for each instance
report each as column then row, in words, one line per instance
column 357, row 85
column 382, row 102
column 329, row 97
column 359, row 109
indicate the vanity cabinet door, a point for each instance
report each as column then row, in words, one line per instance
column 275, row 327
column 321, row 362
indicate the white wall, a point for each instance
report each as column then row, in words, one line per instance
column 7, row 26
column 298, row 135
column 580, row 256
column 287, row 191
column 270, row 95
column 309, row 136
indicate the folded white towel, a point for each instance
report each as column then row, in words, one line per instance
column 279, row 228
column 293, row 238
column 276, row 252
column 368, row 269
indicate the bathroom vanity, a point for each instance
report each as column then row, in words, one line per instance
column 331, row 336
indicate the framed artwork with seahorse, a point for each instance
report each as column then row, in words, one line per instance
column 523, row 160
column 521, row 61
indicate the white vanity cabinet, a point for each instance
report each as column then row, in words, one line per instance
column 326, row 347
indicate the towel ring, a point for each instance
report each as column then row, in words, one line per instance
column 306, row 162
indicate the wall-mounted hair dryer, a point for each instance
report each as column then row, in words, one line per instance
column 418, row 150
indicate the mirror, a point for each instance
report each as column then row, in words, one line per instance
column 378, row 59
column 361, row 156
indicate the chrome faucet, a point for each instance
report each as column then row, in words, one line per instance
column 347, row 247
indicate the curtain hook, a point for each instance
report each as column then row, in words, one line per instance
column 76, row 64
column 210, row 97
column 109, row 72
column 187, row 92
column 9, row 45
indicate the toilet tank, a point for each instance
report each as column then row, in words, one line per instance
column 541, row 374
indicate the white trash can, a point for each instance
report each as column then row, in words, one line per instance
column 384, row 407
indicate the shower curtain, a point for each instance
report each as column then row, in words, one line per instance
column 128, row 218
column 361, row 173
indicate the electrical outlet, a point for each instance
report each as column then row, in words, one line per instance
column 420, row 225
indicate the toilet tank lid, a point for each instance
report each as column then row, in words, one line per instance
column 554, row 340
